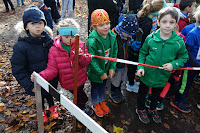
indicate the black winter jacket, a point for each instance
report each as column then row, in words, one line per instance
column 135, row 5
column 145, row 23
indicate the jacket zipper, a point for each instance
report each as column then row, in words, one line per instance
column 161, row 54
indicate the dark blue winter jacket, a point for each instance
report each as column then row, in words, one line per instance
column 30, row 54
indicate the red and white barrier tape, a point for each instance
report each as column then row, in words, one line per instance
column 136, row 63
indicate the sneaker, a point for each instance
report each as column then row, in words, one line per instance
column 198, row 106
column 98, row 111
column 115, row 99
column 129, row 88
column 54, row 111
column 133, row 88
column 187, row 103
column 181, row 107
column 136, row 86
column 88, row 111
column 142, row 114
column 12, row 12
column 45, row 119
column 155, row 116
column 160, row 106
column 122, row 97
column 7, row 10
column 147, row 103
column 104, row 107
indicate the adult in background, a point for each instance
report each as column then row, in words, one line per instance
column 11, row 6
column 54, row 10
column 135, row 5
column 18, row 3
column 110, row 6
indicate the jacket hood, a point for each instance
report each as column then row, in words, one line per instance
column 57, row 43
column 174, row 37
column 21, row 32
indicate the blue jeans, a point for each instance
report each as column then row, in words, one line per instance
column 18, row 2
column 97, row 92
column 10, row 3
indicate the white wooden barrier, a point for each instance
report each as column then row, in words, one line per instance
column 70, row 106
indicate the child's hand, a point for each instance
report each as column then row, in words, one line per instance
column 32, row 77
column 33, row 90
column 168, row 67
column 104, row 76
column 111, row 73
column 140, row 72
column 80, row 51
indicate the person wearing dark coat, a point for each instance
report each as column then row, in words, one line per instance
column 135, row 5
column 30, row 53
column 6, row 2
column 109, row 6
column 54, row 10
column 40, row 4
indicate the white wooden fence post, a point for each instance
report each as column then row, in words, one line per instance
column 38, row 99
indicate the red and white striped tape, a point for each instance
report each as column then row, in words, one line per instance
column 136, row 63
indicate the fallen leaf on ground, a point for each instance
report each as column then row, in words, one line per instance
column 166, row 126
column 8, row 112
column 2, row 83
column 48, row 127
column 30, row 102
column 117, row 129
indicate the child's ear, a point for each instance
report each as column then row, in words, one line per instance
column 158, row 23
column 94, row 27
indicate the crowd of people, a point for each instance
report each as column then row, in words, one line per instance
column 148, row 32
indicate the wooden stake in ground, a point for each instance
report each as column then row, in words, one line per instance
column 75, row 77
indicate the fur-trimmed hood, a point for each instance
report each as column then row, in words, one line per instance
column 21, row 32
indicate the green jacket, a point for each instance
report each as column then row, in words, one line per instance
column 96, row 68
column 157, row 52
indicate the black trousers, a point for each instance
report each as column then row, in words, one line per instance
column 154, row 97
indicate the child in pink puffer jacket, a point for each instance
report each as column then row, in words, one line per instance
column 61, row 61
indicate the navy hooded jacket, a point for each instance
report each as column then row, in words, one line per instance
column 30, row 54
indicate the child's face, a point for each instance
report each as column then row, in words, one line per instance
column 190, row 9
column 38, row 4
column 103, row 29
column 66, row 39
column 167, row 24
column 35, row 29
column 126, row 35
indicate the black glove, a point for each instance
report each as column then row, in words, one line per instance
column 139, row 34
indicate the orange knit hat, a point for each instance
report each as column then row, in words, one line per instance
column 99, row 16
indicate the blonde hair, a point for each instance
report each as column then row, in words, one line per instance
column 68, row 22
column 146, row 1
column 151, row 7
column 197, row 14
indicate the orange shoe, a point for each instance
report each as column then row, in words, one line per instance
column 54, row 111
column 45, row 119
column 98, row 111
column 104, row 107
